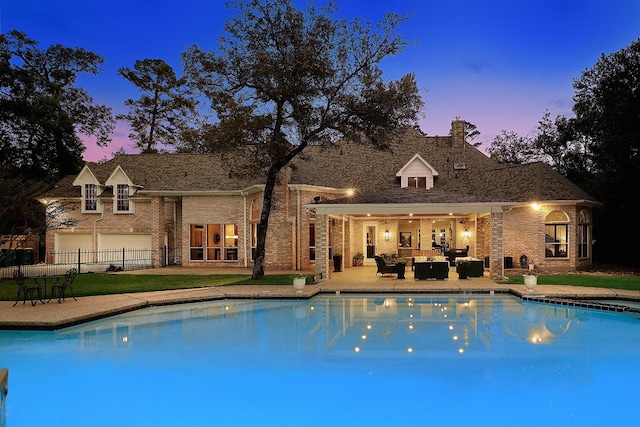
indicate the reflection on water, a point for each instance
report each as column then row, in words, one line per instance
column 377, row 359
column 326, row 326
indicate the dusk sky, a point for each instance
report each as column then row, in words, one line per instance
column 495, row 63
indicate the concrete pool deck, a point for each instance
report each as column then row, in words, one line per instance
column 54, row 316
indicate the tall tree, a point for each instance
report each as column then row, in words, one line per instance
column 41, row 109
column 285, row 79
column 159, row 116
column 607, row 110
column 509, row 147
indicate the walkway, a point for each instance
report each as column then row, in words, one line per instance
column 54, row 316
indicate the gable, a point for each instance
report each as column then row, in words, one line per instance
column 417, row 167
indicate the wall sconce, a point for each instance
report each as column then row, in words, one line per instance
column 466, row 233
column 387, row 235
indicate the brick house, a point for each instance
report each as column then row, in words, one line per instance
column 425, row 192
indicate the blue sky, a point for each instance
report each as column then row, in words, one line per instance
column 496, row 63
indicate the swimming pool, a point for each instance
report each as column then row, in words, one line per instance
column 332, row 360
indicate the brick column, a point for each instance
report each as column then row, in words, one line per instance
column 322, row 250
column 496, row 268
column 157, row 229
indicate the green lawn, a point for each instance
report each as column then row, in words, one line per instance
column 610, row 281
column 105, row 284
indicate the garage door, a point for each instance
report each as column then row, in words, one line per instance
column 68, row 244
column 127, row 241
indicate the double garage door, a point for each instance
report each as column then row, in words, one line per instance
column 70, row 245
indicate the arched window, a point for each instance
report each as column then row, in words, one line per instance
column 254, row 219
column 584, row 230
column 556, row 235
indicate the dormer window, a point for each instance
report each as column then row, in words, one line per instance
column 122, row 194
column 90, row 198
column 417, row 182
column 417, row 173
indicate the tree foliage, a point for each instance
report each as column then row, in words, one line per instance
column 41, row 109
column 607, row 110
column 160, row 115
column 511, row 148
column 284, row 79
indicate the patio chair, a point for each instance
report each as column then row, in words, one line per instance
column 33, row 292
column 384, row 267
column 61, row 289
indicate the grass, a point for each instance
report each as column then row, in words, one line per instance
column 109, row 284
column 609, row 281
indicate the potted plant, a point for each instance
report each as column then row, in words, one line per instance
column 358, row 260
column 299, row 281
column 337, row 261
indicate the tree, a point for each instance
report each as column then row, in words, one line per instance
column 41, row 109
column 41, row 114
column 562, row 148
column 607, row 110
column 509, row 147
column 159, row 116
column 285, row 79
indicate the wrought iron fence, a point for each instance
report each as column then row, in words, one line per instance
column 125, row 259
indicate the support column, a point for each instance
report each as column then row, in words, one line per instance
column 496, row 269
column 322, row 249
column 157, row 230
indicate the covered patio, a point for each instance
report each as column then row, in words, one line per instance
column 400, row 222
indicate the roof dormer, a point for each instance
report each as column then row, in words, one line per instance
column 122, row 188
column 90, row 187
column 417, row 173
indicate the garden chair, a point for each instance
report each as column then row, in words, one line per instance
column 33, row 292
column 61, row 289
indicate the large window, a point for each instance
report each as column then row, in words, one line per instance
column 90, row 197
column 583, row 235
column 556, row 235
column 122, row 198
column 218, row 242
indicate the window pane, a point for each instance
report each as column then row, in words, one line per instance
column 90, row 197
column 122, row 203
column 214, row 241
column 196, row 235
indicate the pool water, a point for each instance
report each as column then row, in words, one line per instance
column 331, row 361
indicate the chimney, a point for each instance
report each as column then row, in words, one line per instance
column 457, row 133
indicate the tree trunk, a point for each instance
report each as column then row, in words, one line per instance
column 263, row 225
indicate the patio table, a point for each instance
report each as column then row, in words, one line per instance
column 41, row 282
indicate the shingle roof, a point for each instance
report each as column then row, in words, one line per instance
column 350, row 165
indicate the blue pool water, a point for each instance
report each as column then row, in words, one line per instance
column 331, row 361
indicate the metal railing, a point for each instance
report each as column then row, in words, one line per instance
column 125, row 259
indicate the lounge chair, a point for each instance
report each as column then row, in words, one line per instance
column 33, row 292
column 61, row 289
column 385, row 267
